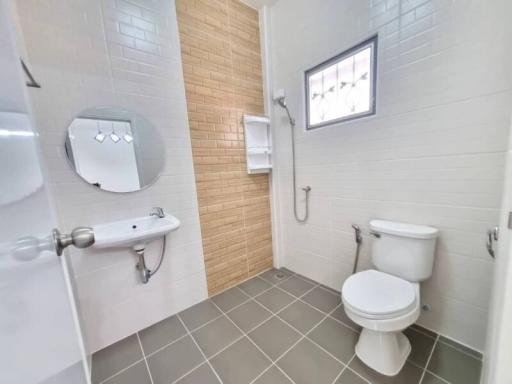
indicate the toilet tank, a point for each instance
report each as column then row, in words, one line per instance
column 403, row 250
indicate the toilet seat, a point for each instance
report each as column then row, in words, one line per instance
column 377, row 295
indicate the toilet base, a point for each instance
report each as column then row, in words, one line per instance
column 385, row 352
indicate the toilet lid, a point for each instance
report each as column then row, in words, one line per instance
column 378, row 294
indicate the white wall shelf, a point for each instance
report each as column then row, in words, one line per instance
column 258, row 146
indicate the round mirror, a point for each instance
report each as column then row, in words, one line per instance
column 114, row 149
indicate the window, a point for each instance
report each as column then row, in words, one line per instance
column 342, row 88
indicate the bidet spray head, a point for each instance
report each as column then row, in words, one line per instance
column 357, row 233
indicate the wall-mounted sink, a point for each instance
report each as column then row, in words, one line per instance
column 140, row 230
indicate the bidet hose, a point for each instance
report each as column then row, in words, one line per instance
column 307, row 189
column 162, row 255
column 359, row 240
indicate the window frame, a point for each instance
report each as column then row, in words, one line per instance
column 372, row 42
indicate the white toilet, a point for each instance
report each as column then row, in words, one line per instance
column 386, row 300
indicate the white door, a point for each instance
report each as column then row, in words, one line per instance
column 40, row 340
column 498, row 356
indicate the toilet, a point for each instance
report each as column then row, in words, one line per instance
column 386, row 300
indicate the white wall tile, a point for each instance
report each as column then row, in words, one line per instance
column 110, row 52
column 433, row 154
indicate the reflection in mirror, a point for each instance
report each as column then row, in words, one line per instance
column 114, row 149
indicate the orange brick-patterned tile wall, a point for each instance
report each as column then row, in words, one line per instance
column 220, row 46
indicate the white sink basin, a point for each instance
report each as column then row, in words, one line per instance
column 127, row 233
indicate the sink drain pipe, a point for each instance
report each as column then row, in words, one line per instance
column 145, row 272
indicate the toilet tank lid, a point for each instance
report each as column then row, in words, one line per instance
column 404, row 229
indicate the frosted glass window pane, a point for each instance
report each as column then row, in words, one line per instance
column 315, row 87
column 343, row 87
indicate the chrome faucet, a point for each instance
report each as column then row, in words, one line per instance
column 157, row 211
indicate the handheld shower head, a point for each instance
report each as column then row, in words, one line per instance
column 282, row 103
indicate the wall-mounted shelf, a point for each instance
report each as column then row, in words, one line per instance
column 258, row 146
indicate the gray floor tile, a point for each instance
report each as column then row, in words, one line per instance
column 273, row 376
column 274, row 299
column 240, row 363
column 296, row 286
column 329, row 289
column 410, row 374
column 431, row 379
column 301, row 316
column 114, row 358
column 275, row 276
column 322, row 299
column 461, row 347
column 229, row 299
column 335, row 338
column 425, row 331
column 307, row 279
column 199, row 314
column 306, row 364
column 349, row 377
column 249, row 315
column 454, row 365
column 201, row 375
column 174, row 361
column 274, row 337
column 340, row 315
column 136, row 374
column 421, row 346
column 161, row 334
column 288, row 271
column 216, row 335
column 254, row 286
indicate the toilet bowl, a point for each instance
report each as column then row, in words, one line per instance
column 383, row 305
column 386, row 300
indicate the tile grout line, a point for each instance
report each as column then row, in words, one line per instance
column 439, row 377
column 274, row 314
column 428, row 360
column 351, row 370
column 299, row 298
column 225, row 314
column 265, row 371
column 145, row 360
column 459, row 349
column 206, row 359
column 200, row 350
column 311, row 340
column 341, row 373
column 277, row 314
column 121, row 371
column 357, row 373
column 244, row 335
column 222, row 314
column 326, row 315
column 305, row 336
